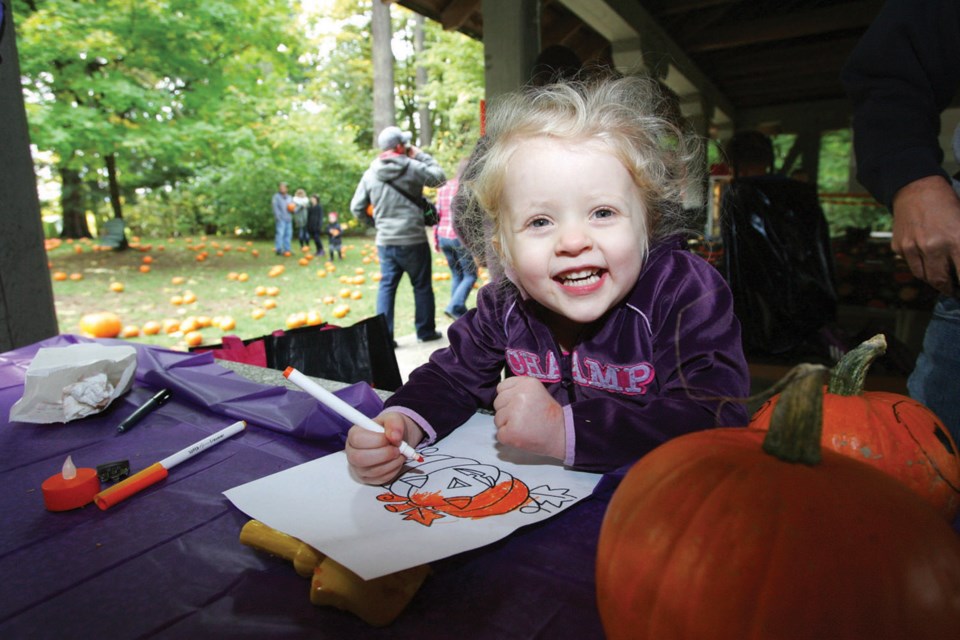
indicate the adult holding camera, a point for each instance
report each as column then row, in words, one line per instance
column 401, row 170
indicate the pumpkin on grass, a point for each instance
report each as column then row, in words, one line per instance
column 102, row 324
column 889, row 431
column 742, row 534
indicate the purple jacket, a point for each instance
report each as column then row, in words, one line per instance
column 653, row 368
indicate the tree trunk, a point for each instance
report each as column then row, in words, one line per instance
column 111, row 161
column 384, row 113
column 426, row 122
column 71, row 205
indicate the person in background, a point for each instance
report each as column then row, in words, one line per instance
column 334, row 235
column 283, row 220
column 778, row 258
column 555, row 63
column 463, row 268
column 315, row 222
column 301, row 202
column 614, row 335
column 901, row 75
column 397, row 175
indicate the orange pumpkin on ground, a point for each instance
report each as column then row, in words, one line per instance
column 740, row 534
column 889, row 431
column 102, row 324
column 151, row 328
column 193, row 338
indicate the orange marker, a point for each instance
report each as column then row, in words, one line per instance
column 159, row 470
column 344, row 409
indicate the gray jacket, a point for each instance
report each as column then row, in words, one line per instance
column 398, row 220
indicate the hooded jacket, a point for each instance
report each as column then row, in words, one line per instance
column 665, row 361
column 398, row 220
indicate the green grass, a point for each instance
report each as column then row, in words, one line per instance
column 216, row 283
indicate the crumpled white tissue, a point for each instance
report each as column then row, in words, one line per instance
column 67, row 383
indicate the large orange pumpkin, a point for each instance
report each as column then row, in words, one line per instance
column 102, row 324
column 741, row 534
column 892, row 432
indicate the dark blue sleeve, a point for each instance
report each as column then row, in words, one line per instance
column 901, row 75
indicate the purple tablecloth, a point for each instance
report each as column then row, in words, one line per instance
column 168, row 562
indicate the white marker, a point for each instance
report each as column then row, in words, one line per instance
column 345, row 410
column 159, row 470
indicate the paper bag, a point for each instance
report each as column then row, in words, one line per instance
column 67, row 383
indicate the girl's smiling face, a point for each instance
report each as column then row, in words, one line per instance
column 573, row 227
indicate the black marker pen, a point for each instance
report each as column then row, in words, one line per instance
column 158, row 399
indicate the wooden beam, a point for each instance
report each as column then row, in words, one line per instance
column 782, row 61
column 674, row 7
column 816, row 115
column 619, row 20
column 456, row 14
column 783, row 27
column 560, row 27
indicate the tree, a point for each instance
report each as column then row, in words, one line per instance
column 131, row 95
column 383, row 108
column 181, row 116
column 423, row 105
column 451, row 94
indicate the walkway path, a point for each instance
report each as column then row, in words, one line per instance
column 411, row 354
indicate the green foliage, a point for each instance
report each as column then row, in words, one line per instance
column 156, row 84
column 454, row 90
column 207, row 105
column 836, row 149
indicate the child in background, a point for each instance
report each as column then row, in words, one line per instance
column 616, row 338
column 333, row 233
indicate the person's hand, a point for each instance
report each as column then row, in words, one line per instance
column 375, row 458
column 412, row 151
column 926, row 231
column 527, row 417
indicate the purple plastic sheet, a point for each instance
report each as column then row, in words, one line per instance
column 167, row 563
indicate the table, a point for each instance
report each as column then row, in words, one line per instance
column 168, row 563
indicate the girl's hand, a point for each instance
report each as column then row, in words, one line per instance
column 375, row 458
column 527, row 417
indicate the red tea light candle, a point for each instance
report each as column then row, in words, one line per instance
column 72, row 488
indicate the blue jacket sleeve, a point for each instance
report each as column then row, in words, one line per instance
column 901, row 75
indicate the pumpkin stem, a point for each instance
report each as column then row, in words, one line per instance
column 850, row 372
column 797, row 420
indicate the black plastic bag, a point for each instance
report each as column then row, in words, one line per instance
column 362, row 352
column 778, row 261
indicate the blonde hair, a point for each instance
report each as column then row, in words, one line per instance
column 300, row 193
column 633, row 116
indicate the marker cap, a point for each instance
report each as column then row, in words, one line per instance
column 126, row 488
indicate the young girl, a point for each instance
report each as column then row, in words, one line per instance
column 615, row 337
